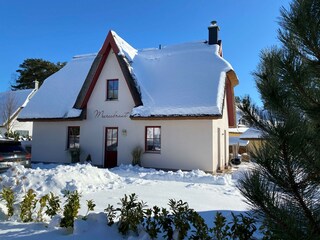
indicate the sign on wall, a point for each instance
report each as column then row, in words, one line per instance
column 102, row 114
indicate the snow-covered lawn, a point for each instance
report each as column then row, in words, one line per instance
column 204, row 192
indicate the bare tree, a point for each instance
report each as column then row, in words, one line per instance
column 9, row 110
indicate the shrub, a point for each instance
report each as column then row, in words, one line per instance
column 90, row 207
column 43, row 202
column 88, row 159
column 53, row 206
column 75, row 154
column 136, row 156
column 8, row 195
column 220, row 229
column 201, row 228
column 131, row 214
column 180, row 217
column 71, row 209
column 184, row 219
column 27, row 206
column 242, row 227
column 111, row 214
column 179, row 222
column 152, row 221
column 166, row 223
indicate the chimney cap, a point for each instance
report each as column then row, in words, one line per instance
column 214, row 24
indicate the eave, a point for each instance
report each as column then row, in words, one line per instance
column 50, row 119
column 82, row 116
column 177, row 117
column 233, row 78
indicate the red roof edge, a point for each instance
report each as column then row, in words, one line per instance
column 108, row 44
column 231, row 82
column 109, row 41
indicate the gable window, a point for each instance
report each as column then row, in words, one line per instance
column 112, row 89
column 73, row 137
column 153, row 139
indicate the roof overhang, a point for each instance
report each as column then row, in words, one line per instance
column 177, row 117
column 49, row 119
column 233, row 78
column 54, row 119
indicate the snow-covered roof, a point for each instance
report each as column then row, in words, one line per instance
column 180, row 80
column 238, row 130
column 185, row 79
column 57, row 95
column 16, row 100
column 238, row 141
column 252, row 133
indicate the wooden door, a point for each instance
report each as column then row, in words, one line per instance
column 111, row 147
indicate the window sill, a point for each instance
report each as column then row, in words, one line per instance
column 153, row 152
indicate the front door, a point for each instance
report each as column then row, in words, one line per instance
column 111, row 147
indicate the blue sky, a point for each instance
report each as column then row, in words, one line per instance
column 57, row 30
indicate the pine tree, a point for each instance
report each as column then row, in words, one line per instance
column 33, row 69
column 284, row 186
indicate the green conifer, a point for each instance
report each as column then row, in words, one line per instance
column 284, row 186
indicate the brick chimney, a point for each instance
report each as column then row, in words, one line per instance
column 213, row 33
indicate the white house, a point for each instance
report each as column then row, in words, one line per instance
column 11, row 103
column 176, row 102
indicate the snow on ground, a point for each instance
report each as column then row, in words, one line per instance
column 205, row 193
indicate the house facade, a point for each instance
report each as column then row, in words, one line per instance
column 238, row 146
column 255, row 138
column 174, row 102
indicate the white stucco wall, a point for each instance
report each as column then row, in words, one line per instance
column 19, row 126
column 185, row 144
column 49, row 143
column 222, row 124
column 23, row 126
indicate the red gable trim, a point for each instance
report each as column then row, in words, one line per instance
column 231, row 82
column 230, row 104
column 108, row 44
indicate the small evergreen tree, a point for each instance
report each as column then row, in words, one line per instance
column 284, row 186
column 27, row 206
column 33, row 69
column 71, row 208
column 8, row 195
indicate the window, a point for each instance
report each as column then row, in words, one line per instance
column 153, row 139
column 112, row 89
column 73, row 137
column 112, row 139
column 22, row 133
